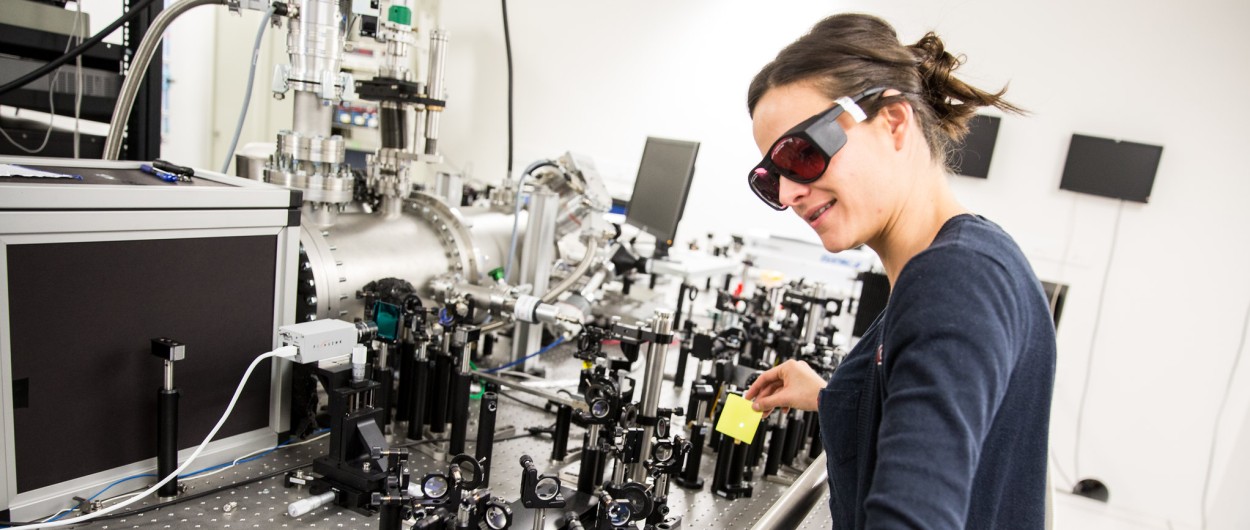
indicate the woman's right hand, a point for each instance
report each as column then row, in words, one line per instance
column 789, row 385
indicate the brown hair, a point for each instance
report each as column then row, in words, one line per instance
column 849, row 53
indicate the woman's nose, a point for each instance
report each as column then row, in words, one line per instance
column 790, row 192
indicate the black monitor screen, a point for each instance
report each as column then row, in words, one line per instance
column 660, row 190
column 971, row 157
column 1111, row 168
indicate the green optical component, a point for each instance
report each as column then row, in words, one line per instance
column 400, row 15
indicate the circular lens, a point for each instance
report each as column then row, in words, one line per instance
column 800, row 157
column 468, row 471
column 547, row 488
column 599, row 408
column 663, row 452
column 435, row 486
column 618, row 513
column 496, row 517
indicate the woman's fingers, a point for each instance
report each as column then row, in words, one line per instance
column 792, row 384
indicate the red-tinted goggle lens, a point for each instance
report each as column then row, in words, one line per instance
column 803, row 153
column 792, row 157
column 799, row 159
column 767, row 186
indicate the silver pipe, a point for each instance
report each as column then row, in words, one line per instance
column 661, row 324
column 618, row 470
column 815, row 316
column 700, row 412
column 432, row 118
column 438, row 56
column 592, row 246
column 437, row 68
column 495, row 325
column 416, row 140
column 798, row 500
column 594, row 434
column 315, row 45
column 303, row 506
column 579, row 405
column 312, row 116
column 384, row 354
column 169, row 375
column 138, row 70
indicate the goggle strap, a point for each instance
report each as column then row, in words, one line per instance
column 851, row 108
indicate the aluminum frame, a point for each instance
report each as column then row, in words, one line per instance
column 72, row 213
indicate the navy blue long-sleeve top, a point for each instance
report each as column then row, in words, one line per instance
column 938, row 418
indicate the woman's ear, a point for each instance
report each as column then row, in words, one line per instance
column 899, row 120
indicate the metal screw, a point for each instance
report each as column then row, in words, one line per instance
column 229, row 507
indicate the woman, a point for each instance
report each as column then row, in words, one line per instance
column 938, row 418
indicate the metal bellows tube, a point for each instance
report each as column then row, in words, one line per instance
column 138, row 70
column 796, row 502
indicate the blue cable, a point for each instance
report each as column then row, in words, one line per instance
column 98, row 493
column 245, row 460
column 185, row 475
column 553, row 344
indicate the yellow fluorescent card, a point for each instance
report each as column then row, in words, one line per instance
column 738, row 420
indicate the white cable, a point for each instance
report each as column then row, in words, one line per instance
column 51, row 101
column 247, row 94
column 285, row 351
column 53, row 516
column 308, row 441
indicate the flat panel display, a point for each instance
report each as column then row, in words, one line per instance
column 1111, row 168
column 971, row 157
column 660, row 190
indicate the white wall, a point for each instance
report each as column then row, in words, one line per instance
column 190, row 118
column 598, row 77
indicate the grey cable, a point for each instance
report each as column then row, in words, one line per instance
column 78, row 32
column 1215, row 430
column 247, row 94
column 1089, row 361
column 138, row 68
column 516, row 216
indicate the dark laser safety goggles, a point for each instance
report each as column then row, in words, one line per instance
column 802, row 154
